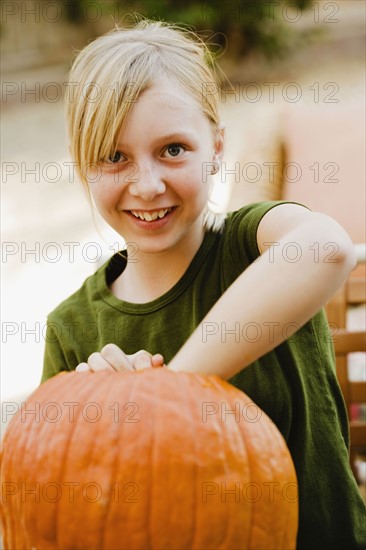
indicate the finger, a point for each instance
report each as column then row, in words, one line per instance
column 97, row 363
column 116, row 357
column 82, row 367
column 157, row 360
column 141, row 360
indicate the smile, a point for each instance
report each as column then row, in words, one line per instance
column 150, row 216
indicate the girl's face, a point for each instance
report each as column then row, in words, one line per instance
column 154, row 190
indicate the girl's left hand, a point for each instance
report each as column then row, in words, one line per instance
column 112, row 357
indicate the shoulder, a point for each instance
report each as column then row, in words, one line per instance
column 236, row 240
column 82, row 302
column 242, row 226
column 77, row 301
column 281, row 220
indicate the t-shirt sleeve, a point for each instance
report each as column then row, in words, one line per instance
column 54, row 360
column 240, row 240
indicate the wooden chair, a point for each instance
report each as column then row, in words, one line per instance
column 347, row 341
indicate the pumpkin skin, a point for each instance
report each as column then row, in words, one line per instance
column 145, row 460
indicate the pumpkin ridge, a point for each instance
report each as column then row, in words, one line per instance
column 83, row 392
column 73, row 380
column 7, row 518
column 34, row 515
column 108, row 536
column 273, row 444
column 252, row 508
column 284, row 543
column 154, row 458
column 240, row 443
column 130, row 383
column 287, row 511
column 208, row 383
column 7, row 460
column 58, row 466
column 189, row 405
column 249, row 509
column 28, row 431
column 221, row 399
column 275, row 471
column 290, row 519
column 114, row 470
column 96, row 460
column 158, row 456
column 152, row 453
column 252, row 534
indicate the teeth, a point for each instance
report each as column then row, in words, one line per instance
column 150, row 216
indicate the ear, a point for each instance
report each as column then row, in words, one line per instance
column 219, row 143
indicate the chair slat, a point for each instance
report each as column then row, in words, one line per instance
column 357, row 392
column 348, row 342
column 356, row 291
column 357, row 433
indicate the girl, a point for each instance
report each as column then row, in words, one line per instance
column 239, row 296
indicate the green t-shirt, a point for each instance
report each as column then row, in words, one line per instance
column 295, row 384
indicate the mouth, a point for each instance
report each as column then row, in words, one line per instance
column 151, row 215
column 151, row 219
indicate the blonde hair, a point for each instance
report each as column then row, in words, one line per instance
column 110, row 73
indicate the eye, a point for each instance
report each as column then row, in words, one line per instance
column 116, row 157
column 174, row 149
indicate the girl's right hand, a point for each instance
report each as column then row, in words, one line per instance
column 113, row 358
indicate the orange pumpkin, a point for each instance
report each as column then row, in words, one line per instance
column 148, row 459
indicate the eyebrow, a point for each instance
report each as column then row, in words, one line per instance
column 172, row 138
column 177, row 136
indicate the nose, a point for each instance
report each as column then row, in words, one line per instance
column 147, row 184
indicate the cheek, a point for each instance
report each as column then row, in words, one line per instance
column 190, row 187
column 196, row 178
column 96, row 195
column 104, row 192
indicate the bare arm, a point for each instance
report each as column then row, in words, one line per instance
column 288, row 284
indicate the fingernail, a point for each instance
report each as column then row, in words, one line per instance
column 82, row 368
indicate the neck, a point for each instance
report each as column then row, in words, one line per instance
column 151, row 275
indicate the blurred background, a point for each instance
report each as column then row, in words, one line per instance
column 294, row 112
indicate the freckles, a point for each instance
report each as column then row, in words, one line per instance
column 190, row 186
column 194, row 176
column 104, row 188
